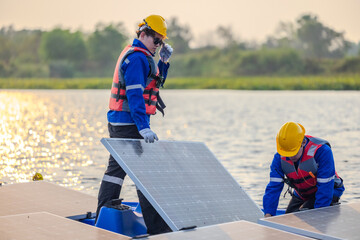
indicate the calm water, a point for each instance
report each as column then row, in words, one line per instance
column 58, row 132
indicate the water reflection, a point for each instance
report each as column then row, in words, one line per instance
column 39, row 133
column 57, row 133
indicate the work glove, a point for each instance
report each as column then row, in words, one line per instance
column 165, row 52
column 148, row 135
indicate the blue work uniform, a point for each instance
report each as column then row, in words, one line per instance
column 127, row 124
column 325, row 181
column 136, row 71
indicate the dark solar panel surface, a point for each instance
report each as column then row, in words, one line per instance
column 336, row 222
column 184, row 182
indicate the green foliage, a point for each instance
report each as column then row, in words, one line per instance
column 105, row 46
column 235, row 62
column 19, row 53
column 338, row 82
column 306, row 47
column 55, row 83
column 64, row 51
column 270, row 62
column 61, row 69
column 319, row 41
column 179, row 36
column 6, row 70
column 348, row 65
column 226, row 34
column 205, row 62
column 5, row 50
column 30, row 70
column 311, row 38
column 60, row 44
column 333, row 82
column 312, row 67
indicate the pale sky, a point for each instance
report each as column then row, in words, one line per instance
column 249, row 20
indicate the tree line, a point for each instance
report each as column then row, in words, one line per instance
column 306, row 46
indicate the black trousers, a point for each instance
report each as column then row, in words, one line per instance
column 297, row 204
column 114, row 175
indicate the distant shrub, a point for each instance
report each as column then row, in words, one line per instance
column 312, row 67
column 270, row 61
column 5, row 69
column 61, row 69
column 348, row 65
column 31, row 70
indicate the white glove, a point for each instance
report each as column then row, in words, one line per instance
column 165, row 52
column 148, row 135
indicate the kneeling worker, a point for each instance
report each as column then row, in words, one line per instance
column 307, row 165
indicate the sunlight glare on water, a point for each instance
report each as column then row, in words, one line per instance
column 40, row 135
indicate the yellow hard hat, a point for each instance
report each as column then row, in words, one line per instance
column 37, row 177
column 289, row 139
column 156, row 23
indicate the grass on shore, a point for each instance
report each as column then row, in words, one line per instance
column 337, row 82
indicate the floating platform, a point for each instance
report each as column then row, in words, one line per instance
column 41, row 196
column 47, row 226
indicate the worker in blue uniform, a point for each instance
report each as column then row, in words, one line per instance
column 134, row 98
column 307, row 165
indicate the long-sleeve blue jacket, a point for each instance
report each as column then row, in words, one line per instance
column 136, row 71
column 325, row 181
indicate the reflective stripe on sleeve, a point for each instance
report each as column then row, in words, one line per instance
column 113, row 179
column 325, row 180
column 135, row 87
column 273, row 179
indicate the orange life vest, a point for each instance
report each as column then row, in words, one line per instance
column 304, row 179
column 118, row 99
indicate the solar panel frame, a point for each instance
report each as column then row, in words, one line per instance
column 228, row 231
column 175, row 153
column 335, row 222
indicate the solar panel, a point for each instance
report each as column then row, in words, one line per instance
column 44, row 196
column 336, row 222
column 234, row 230
column 45, row 226
column 184, row 182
